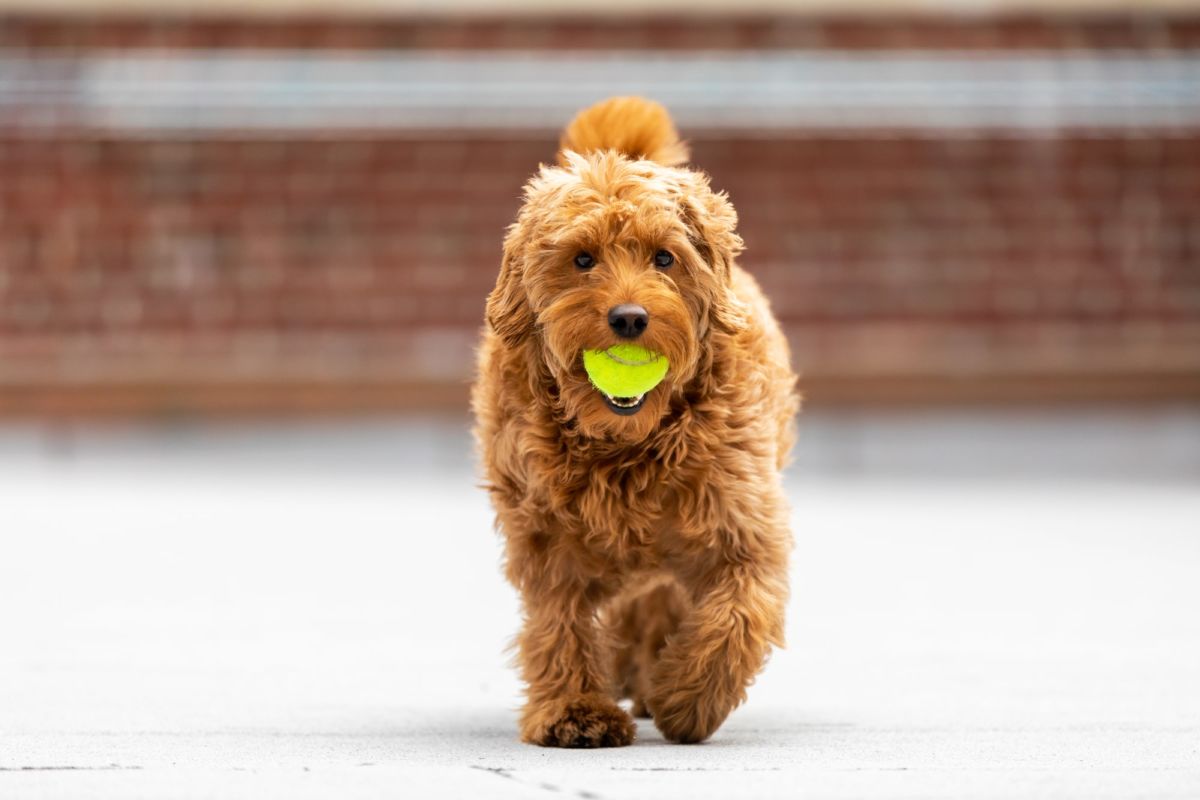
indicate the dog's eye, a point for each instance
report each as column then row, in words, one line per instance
column 585, row 261
column 663, row 259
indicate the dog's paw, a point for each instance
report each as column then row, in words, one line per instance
column 687, row 720
column 682, row 727
column 589, row 721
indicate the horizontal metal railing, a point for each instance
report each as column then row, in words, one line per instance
column 160, row 92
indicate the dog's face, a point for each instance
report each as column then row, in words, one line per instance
column 607, row 250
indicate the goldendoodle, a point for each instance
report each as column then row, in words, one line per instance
column 647, row 535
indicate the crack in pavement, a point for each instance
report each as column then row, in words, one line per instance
column 505, row 772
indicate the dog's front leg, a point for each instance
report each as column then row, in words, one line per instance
column 703, row 672
column 569, row 699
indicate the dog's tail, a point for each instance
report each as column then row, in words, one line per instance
column 634, row 126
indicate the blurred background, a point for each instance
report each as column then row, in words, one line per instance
column 268, row 209
column 244, row 251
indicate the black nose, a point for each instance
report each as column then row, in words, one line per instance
column 628, row 320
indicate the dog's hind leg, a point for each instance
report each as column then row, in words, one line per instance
column 639, row 622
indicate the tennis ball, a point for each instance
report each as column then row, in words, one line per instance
column 625, row 370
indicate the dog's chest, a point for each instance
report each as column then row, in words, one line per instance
column 622, row 509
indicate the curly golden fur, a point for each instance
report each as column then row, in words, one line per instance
column 650, row 550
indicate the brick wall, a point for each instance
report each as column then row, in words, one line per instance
column 979, row 32
column 333, row 269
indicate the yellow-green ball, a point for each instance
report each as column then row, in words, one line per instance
column 625, row 370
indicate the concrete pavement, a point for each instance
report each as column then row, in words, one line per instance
column 240, row 616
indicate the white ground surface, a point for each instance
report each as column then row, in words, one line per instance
column 321, row 614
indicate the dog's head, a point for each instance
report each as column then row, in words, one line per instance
column 610, row 249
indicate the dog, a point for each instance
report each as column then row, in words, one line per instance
column 647, row 537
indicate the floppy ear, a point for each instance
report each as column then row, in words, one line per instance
column 712, row 227
column 727, row 312
column 508, row 311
